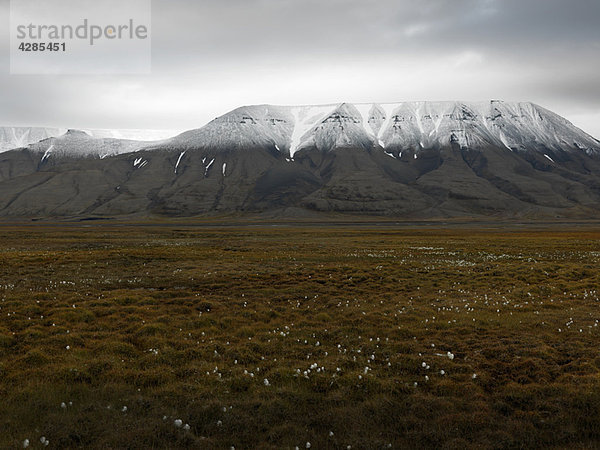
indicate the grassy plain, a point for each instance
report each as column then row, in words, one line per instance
column 366, row 337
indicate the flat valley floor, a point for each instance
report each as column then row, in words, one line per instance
column 176, row 336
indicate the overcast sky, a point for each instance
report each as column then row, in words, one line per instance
column 210, row 56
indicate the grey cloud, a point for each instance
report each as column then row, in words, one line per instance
column 547, row 51
column 262, row 27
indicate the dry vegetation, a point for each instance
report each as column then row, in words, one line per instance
column 275, row 337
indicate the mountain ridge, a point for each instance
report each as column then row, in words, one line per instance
column 395, row 126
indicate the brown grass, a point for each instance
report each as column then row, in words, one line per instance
column 186, row 323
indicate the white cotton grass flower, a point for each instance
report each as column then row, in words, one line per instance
column 308, row 445
column 266, row 382
column 45, row 442
column 26, row 443
column 178, row 423
column 63, row 405
column 186, row 427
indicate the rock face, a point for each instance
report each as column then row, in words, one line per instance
column 413, row 160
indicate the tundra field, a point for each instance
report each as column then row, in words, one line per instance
column 281, row 337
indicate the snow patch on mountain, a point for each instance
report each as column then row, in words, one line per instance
column 305, row 118
column 179, row 160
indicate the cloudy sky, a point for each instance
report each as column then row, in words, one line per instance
column 211, row 56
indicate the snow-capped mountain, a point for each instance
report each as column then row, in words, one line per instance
column 20, row 137
column 77, row 143
column 413, row 159
column 396, row 127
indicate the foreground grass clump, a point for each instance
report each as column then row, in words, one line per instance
column 165, row 337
